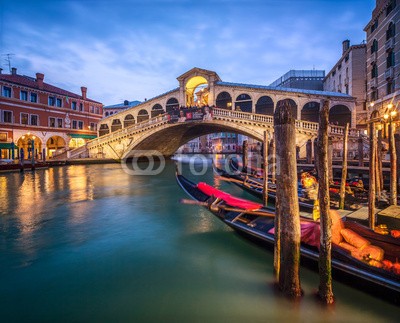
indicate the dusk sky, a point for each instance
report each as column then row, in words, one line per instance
column 131, row 50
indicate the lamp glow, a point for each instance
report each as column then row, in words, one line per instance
column 386, row 116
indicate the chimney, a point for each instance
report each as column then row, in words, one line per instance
column 39, row 80
column 84, row 91
column 1, row 70
column 13, row 71
column 346, row 45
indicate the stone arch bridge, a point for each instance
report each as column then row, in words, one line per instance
column 241, row 108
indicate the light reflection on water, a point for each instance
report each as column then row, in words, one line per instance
column 91, row 243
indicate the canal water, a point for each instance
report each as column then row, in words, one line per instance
column 93, row 243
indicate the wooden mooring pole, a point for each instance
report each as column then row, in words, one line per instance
column 393, row 164
column 325, row 291
column 372, row 173
column 265, row 168
column 245, row 155
column 342, row 192
column 287, row 219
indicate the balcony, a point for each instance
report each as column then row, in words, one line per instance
column 389, row 45
column 389, row 73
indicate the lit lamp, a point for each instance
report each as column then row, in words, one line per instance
column 390, row 115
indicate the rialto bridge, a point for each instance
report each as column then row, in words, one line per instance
column 240, row 108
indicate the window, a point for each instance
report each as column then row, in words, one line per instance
column 74, row 124
column 374, row 95
column 374, row 26
column 33, row 97
column 73, row 105
column 52, row 101
column 23, row 95
column 93, row 126
column 52, row 122
column 390, row 7
column 80, row 125
column 374, row 71
column 7, row 116
column 91, row 109
column 58, row 103
column 34, row 120
column 59, row 122
column 339, row 66
column 97, row 110
column 390, row 59
column 390, row 87
column 374, row 47
column 390, row 32
column 24, row 118
column 7, row 91
column 347, row 88
column 346, row 58
column 80, row 106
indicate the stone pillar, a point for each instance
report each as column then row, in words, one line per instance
column 309, row 152
column 360, row 152
column 397, row 145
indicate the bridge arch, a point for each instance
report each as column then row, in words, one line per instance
column 244, row 103
column 129, row 120
column 191, row 85
column 224, row 100
column 172, row 104
column 116, row 125
column 340, row 114
column 292, row 104
column 265, row 105
column 143, row 115
column 310, row 111
column 156, row 110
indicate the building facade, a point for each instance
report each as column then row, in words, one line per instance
column 42, row 120
column 301, row 79
column 349, row 76
column 383, row 58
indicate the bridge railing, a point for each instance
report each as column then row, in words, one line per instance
column 161, row 118
column 300, row 124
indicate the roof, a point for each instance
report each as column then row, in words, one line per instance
column 282, row 89
column 122, row 105
column 30, row 82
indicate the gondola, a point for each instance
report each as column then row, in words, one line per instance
column 254, row 185
column 254, row 223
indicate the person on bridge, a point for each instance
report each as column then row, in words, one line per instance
column 182, row 117
column 207, row 115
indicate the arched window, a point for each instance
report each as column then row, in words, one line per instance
column 129, row 120
column 104, row 130
column 116, row 125
column 292, row 104
column 265, row 105
column 224, row 101
column 374, row 71
column 156, row 110
column 390, row 59
column 172, row 104
column 340, row 115
column 390, row 32
column 244, row 103
column 142, row 116
column 310, row 112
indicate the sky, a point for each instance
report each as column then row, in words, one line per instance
column 132, row 50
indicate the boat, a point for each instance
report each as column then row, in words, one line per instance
column 252, row 183
column 254, row 222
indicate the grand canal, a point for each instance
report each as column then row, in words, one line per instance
column 93, row 243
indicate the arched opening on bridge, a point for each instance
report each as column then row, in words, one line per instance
column 129, row 120
column 340, row 115
column 310, row 112
column 54, row 145
column 116, row 125
column 172, row 104
column 243, row 103
column 156, row 110
column 142, row 116
column 104, row 130
column 265, row 105
column 192, row 88
column 292, row 104
column 25, row 143
column 224, row 101
column 106, row 114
